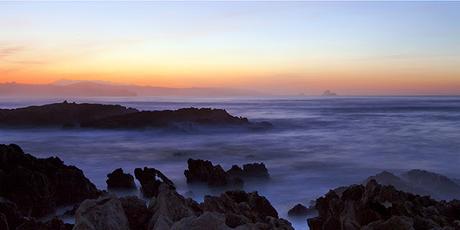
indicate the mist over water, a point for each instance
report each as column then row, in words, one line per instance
column 316, row 144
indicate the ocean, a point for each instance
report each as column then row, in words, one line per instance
column 316, row 143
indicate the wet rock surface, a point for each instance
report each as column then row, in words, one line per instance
column 375, row 206
column 120, row 180
column 204, row 171
column 38, row 186
column 150, row 180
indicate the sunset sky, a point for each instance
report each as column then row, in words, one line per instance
column 280, row 47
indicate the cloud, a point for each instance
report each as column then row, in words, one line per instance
column 9, row 51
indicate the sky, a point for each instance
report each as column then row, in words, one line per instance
column 351, row 48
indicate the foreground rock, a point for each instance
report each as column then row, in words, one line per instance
column 120, row 180
column 214, row 175
column 38, row 186
column 375, row 206
column 103, row 213
column 420, row 182
column 73, row 115
column 150, row 180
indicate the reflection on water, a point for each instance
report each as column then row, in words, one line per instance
column 316, row 143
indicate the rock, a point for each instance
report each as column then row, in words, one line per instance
column 214, row 175
column 255, row 170
column 120, row 180
column 167, row 118
column 59, row 114
column 438, row 185
column 38, row 186
column 137, row 212
column 420, row 182
column 243, row 208
column 375, row 206
column 208, row 220
column 3, row 222
column 298, row 211
column 204, row 171
column 10, row 214
column 102, row 213
column 53, row 224
column 150, row 180
column 170, row 207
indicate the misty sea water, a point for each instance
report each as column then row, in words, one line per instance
column 316, row 144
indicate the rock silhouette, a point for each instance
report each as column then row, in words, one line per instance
column 38, row 186
column 120, row 180
column 150, row 180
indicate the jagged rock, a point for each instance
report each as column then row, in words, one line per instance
column 120, row 180
column 250, row 206
column 214, row 175
column 439, row 185
column 376, row 206
column 12, row 217
column 420, row 182
column 169, row 207
column 3, row 222
column 53, row 224
column 298, row 211
column 136, row 211
column 102, row 213
column 205, row 171
column 208, row 220
column 37, row 186
column 150, row 180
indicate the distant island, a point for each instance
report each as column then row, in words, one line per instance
column 72, row 88
column 329, row 93
column 101, row 116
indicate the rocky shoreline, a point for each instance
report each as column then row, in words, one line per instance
column 32, row 188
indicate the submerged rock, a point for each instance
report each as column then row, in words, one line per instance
column 299, row 210
column 102, row 213
column 150, row 180
column 38, row 186
column 375, row 206
column 120, row 180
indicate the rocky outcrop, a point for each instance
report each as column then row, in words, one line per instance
column 73, row 115
column 167, row 118
column 231, row 210
column 59, row 114
column 38, row 186
column 53, row 224
column 136, row 211
column 299, row 210
column 375, row 206
column 102, row 213
column 150, row 180
column 214, row 175
column 420, row 182
column 120, row 180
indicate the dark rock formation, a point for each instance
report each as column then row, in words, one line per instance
column 102, row 213
column 299, row 210
column 375, row 206
column 37, row 186
column 73, row 115
column 59, row 114
column 420, row 182
column 137, row 212
column 150, row 180
column 120, row 180
column 235, row 209
column 53, row 224
column 167, row 118
column 205, row 171
column 214, row 175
